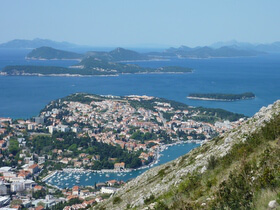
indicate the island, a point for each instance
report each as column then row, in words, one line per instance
column 208, row 52
column 220, row 50
column 116, row 55
column 221, row 96
column 89, row 66
column 49, row 53
column 115, row 62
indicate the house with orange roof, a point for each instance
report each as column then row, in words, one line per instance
column 37, row 188
column 119, row 166
column 71, row 197
column 39, row 208
column 75, row 190
column 25, row 174
column 89, row 203
column 33, row 168
column 112, row 182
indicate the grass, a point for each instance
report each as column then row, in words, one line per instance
column 228, row 179
column 264, row 197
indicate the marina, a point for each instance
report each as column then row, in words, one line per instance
column 67, row 178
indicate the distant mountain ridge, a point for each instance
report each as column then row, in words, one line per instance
column 208, row 52
column 220, row 49
column 269, row 48
column 35, row 43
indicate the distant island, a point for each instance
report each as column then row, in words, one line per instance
column 114, row 62
column 89, row 67
column 221, row 96
column 208, row 52
column 92, row 63
column 116, row 55
column 35, row 43
column 49, row 53
column 231, row 49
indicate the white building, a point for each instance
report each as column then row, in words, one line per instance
column 52, row 129
column 5, row 169
column 30, row 126
column 4, row 201
column 108, row 190
column 17, row 186
column 63, row 128
column 3, row 189
column 41, row 160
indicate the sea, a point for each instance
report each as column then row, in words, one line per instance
column 24, row 96
column 84, row 178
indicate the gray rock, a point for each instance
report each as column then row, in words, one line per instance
column 272, row 204
column 203, row 169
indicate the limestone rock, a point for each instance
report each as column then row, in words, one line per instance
column 272, row 204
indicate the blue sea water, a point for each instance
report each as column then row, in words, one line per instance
column 24, row 97
column 67, row 180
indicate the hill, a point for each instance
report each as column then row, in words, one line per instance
column 208, row 52
column 121, row 54
column 35, row 43
column 239, row 169
column 118, row 54
column 269, row 48
column 50, row 53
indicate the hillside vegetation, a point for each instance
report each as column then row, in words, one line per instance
column 237, row 170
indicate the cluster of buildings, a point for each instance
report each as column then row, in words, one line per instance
column 113, row 121
column 109, row 120
column 88, row 197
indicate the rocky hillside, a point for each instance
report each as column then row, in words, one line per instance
column 237, row 170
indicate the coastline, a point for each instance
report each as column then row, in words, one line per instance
column 80, row 75
column 128, row 170
column 53, row 59
column 213, row 99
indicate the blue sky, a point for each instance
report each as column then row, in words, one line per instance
column 141, row 22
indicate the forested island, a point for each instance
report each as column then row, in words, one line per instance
column 221, row 96
column 109, row 63
column 49, row 53
column 89, row 67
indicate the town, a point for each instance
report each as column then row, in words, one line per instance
column 90, row 133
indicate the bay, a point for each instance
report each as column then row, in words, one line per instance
column 68, row 180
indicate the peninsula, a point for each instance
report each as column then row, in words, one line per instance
column 221, row 96
column 76, row 137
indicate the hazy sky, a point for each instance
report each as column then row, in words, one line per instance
column 141, row 22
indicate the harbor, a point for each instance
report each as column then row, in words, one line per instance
column 69, row 177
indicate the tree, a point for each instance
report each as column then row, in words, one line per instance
column 14, row 146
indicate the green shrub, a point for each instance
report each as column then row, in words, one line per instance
column 149, row 199
column 212, row 162
column 161, row 206
column 117, row 200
